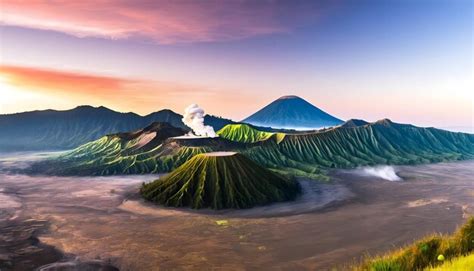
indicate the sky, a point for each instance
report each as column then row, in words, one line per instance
column 410, row 61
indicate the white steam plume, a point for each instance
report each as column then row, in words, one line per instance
column 194, row 119
column 384, row 172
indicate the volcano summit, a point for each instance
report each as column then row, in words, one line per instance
column 292, row 112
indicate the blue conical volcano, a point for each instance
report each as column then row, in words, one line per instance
column 292, row 112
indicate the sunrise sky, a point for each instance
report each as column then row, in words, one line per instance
column 410, row 61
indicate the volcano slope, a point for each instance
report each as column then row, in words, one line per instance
column 381, row 142
column 220, row 180
column 245, row 133
column 310, row 154
column 157, row 148
column 292, row 112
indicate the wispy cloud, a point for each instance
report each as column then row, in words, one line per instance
column 161, row 21
column 52, row 81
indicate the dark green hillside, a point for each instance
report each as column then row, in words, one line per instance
column 129, row 143
column 219, row 181
column 133, row 153
column 217, row 122
column 51, row 129
column 310, row 154
column 382, row 142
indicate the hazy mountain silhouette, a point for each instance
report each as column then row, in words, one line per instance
column 352, row 123
column 52, row 129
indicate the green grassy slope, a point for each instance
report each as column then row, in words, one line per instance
column 458, row 264
column 426, row 253
column 381, row 142
column 245, row 133
column 218, row 182
column 108, row 158
column 311, row 154
column 137, row 142
column 126, row 153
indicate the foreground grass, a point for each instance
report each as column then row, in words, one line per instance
column 427, row 252
column 465, row 263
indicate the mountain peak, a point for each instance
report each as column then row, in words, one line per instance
column 90, row 107
column 289, row 97
column 83, row 107
column 352, row 123
column 292, row 112
column 385, row 121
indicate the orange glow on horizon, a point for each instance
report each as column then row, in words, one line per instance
column 31, row 88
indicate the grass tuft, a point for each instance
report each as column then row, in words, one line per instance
column 465, row 263
column 426, row 252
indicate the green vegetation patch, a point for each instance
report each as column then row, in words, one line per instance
column 220, row 181
column 303, row 154
column 429, row 252
column 460, row 264
column 243, row 133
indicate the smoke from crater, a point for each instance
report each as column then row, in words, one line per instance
column 194, row 119
column 383, row 172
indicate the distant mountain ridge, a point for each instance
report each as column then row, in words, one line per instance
column 292, row 112
column 57, row 130
column 352, row 123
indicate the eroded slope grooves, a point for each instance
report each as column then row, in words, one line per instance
column 245, row 133
column 220, row 182
column 310, row 154
column 154, row 149
column 382, row 142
